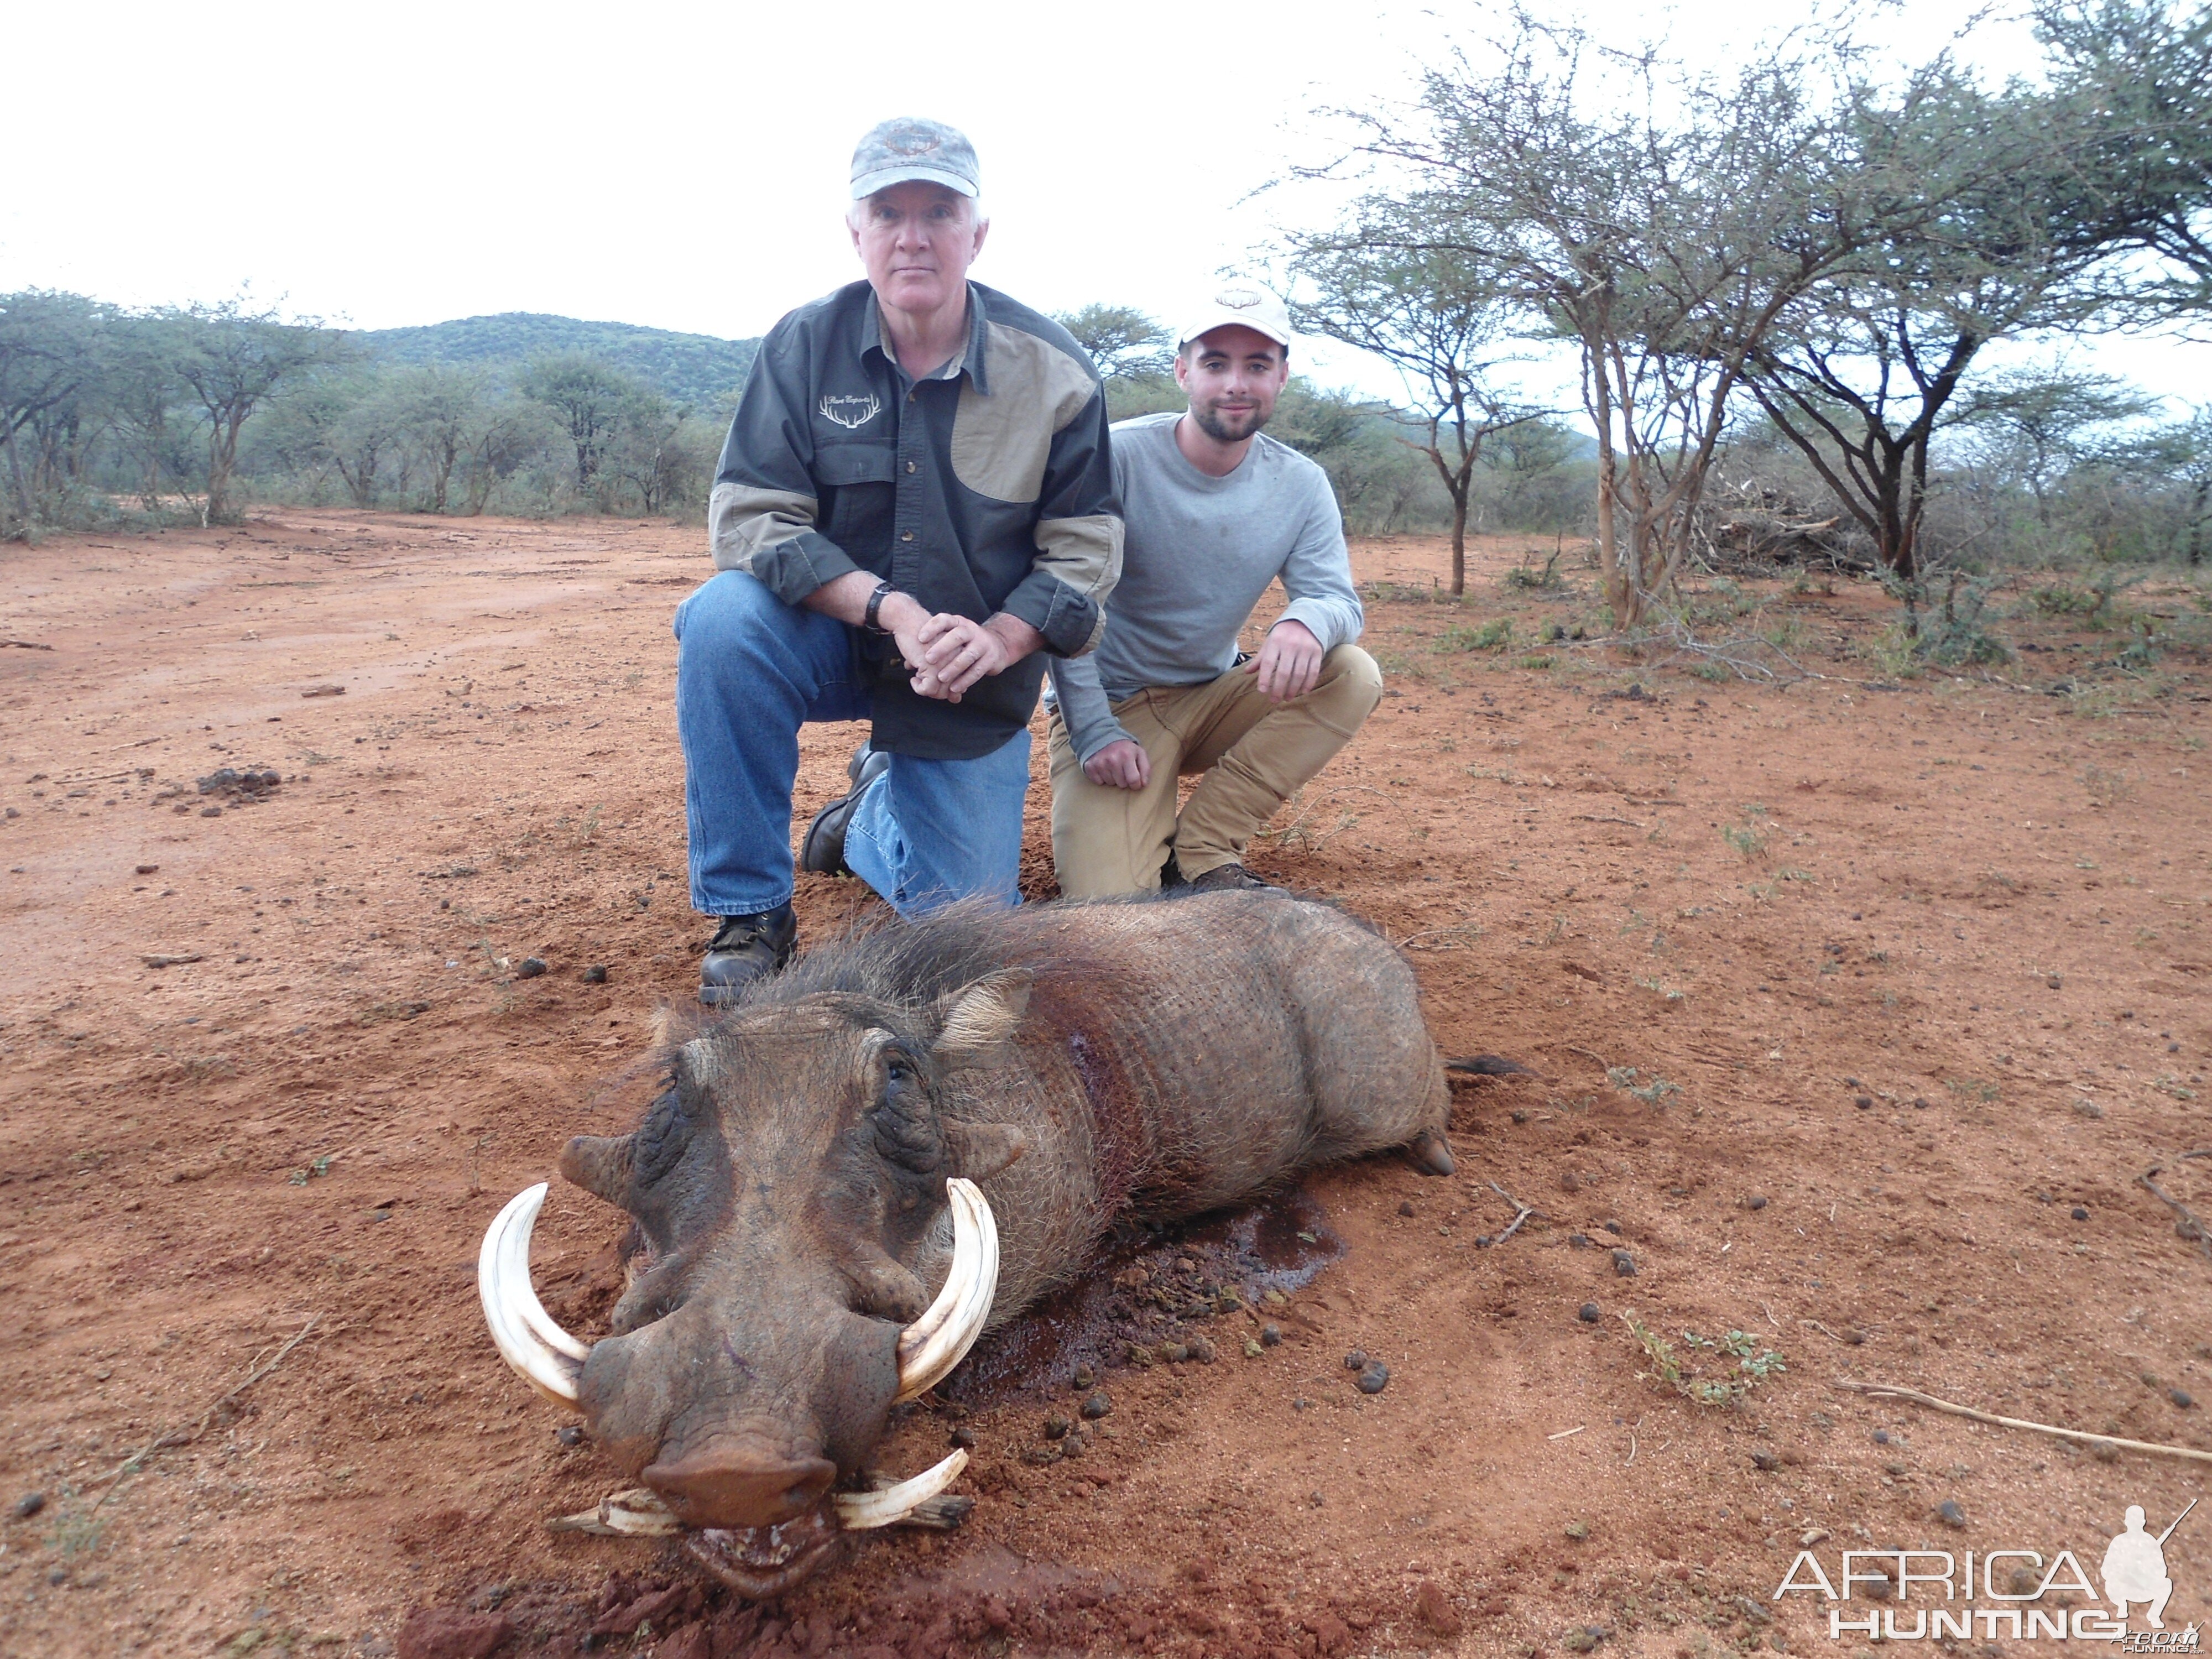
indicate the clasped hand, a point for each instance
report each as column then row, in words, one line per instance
column 947, row 653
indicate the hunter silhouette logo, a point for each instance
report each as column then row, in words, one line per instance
column 2134, row 1567
column 1929, row 1594
column 852, row 412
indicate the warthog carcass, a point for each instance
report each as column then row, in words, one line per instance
column 846, row 1158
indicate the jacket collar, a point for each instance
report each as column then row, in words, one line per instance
column 970, row 361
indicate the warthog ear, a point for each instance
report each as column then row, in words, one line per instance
column 601, row 1164
column 979, row 1016
column 979, row 1151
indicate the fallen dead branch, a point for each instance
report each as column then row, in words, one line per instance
column 1465, row 933
column 136, row 1460
column 1892, row 1391
column 1526, row 1210
column 2187, row 1222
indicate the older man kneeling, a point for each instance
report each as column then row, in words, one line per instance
column 1214, row 512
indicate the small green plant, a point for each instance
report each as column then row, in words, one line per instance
column 1954, row 632
column 1748, row 840
column 1734, row 601
column 1653, row 1094
column 2097, row 605
column 305, row 1172
column 1753, row 1365
column 2107, row 785
column 77, row 1529
column 1524, row 576
column 1892, row 654
column 1493, row 636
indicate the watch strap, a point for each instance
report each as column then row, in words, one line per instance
column 884, row 591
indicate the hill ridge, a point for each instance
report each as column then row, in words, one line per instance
column 702, row 370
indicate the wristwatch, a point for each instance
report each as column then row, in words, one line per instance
column 884, row 591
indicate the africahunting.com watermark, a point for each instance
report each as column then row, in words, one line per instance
column 1951, row 1589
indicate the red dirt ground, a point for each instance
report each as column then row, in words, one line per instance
column 1922, row 967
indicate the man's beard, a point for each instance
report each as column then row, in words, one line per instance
column 1211, row 423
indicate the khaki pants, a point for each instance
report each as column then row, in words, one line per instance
column 1254, row 755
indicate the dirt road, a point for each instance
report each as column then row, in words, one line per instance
column 1854, row 1011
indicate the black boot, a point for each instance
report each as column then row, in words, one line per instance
column 823, row 852
column 746, row 948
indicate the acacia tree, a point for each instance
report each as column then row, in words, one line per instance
column 587, row 398
column 1659, row 220
column 233, row 359
column 2185, row 450
column 508, row 433
column 144, row 392
column 1122, row 341
column 2047, row 424
column 2134, row 78
column 1440, row 323
column 1866, row 367
column 440, row 409
column 46, row 356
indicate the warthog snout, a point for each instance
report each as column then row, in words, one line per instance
column 740, row 1482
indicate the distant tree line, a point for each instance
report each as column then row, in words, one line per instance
column 1804, row 250
column 185, row 412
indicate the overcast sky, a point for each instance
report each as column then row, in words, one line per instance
column 683, row 165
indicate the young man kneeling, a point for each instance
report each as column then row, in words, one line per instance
column 1214, row 512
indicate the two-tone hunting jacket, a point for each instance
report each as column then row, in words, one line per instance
column 984, row 487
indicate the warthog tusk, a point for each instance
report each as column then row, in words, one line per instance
column 636, row 1513
column 929, row 1348
column 639, row 1513
column 527, row 1338
column 859, row 1511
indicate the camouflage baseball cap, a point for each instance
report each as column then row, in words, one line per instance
column 908, row 146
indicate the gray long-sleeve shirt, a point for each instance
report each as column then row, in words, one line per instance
column 1198, row 552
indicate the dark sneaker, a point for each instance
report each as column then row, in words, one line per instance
column 744, row 949
column 1229, row 878
column 823, row 852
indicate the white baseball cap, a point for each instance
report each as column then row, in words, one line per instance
column 1242, row 304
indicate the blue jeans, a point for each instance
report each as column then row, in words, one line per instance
column 749, row 671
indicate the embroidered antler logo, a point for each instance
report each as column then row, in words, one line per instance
column 852, row 412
